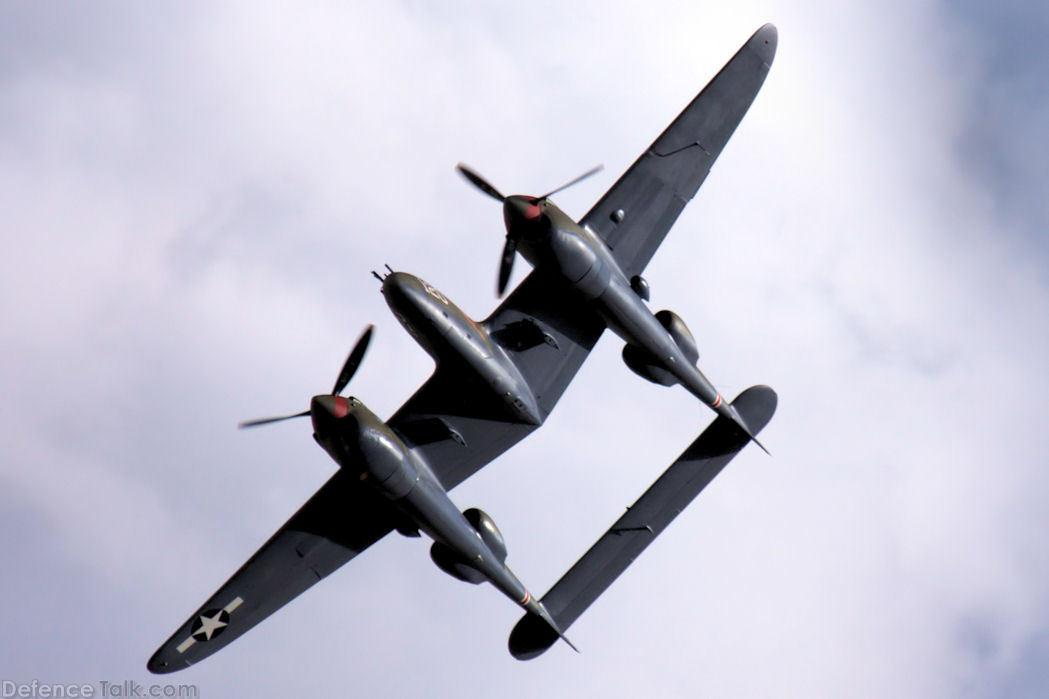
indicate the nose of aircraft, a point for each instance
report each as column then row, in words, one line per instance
column 395, row 282
column 402, row 291
column 330, row 406
column 520, row 208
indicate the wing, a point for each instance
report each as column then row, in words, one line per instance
column 643, row 522
column 653, row 192
column 341, row 519
column 548, row 333
column 447, row 423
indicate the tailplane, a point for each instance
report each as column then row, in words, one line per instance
column 729, row 412
column 536, row 632
column 643, row 521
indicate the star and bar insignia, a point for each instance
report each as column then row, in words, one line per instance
column 209, row 624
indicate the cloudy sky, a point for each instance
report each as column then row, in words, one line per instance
column 193, row 197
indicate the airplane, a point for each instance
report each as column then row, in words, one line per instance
column 494, row 383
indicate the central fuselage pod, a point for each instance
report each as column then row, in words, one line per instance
column 453, row 338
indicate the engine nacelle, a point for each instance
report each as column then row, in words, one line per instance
column 680, row 334
column 490, row 534
column 450, row 562
column 643, row 364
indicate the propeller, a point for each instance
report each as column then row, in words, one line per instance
column 480, row 182
column 511, row 203
column 353, row 360
column 268, row 420
column 349, row 368
column 592, row 171
column 506, row 264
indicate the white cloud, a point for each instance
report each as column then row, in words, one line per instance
column 193, row 203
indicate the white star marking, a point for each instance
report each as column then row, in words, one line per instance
column 209, row 625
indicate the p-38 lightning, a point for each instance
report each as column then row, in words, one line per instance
column 496, row 381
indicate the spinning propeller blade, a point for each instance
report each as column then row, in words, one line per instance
column 268, row 420
column 588, row 173
column 506, row 264
column 479, row 182
column 353, row 361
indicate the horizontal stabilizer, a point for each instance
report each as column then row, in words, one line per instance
column 643, row 522
column 540, row 617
